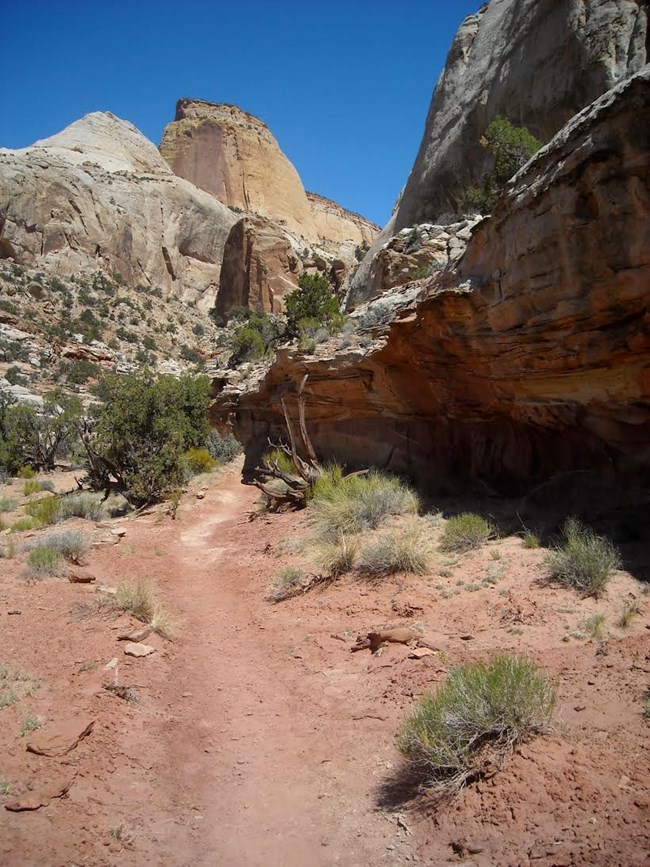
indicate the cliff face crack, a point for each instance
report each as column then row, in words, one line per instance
column 168, row 262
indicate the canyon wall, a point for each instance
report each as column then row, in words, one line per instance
column 536, row 62
column 527, row 358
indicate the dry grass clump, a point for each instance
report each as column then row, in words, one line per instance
column 465, row 532
column 338, row 556
column 343, row 506
column 7, row 504
column 140, row 600
column 594, row 626
column 629, row 611
column 481, row 706
column 406, row 549
column 585, row 561
column 286, row 584
column 34, row 486
column 44, row 562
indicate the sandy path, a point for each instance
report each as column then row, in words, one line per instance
column 249, row 753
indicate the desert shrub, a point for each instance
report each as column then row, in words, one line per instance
column 22, row 525
column 343, row 506
column 281, row 459
column 495, row 704
column 37, row 439
column 15, row 376
column 286, row 584
column 25, row 472
column 529, row 539
column 34, row 486
column 80, row 371
column 44, row 562
column 511, row 147
column 247, row 345
column 86, row 506
column 336, row 556
column 376, row 314
column 313, row 300
column 140, row 600
column 141, row 432
column 70, row 544
column 199, row 461
column 190, row 354
column 7, row 504
column 222, row 447
column 464, row 532
column 46, row 511
column 585, row 561
column 402, row 550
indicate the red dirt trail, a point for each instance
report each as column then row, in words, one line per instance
column 259, row 739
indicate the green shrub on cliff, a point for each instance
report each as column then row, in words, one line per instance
column 512, row 147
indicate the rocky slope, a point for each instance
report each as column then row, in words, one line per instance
column 525, row 359
column 99, row 195
column 536, row 62
column 235, row 157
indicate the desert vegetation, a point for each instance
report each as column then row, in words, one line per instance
column 584, row 561
column 480, row 709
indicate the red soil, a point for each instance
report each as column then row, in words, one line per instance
column 259, row 739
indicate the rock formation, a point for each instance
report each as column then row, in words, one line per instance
column 99, row 195
column 527, row 359
column 259, row 267
column 234, row 156
column 536, row 62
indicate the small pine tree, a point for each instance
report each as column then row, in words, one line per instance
column 312, row 300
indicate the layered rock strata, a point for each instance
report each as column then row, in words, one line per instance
column 526, row 359
column 99, row 195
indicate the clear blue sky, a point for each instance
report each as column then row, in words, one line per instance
column 343, row 84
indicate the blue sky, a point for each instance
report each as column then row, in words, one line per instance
column 344, row 86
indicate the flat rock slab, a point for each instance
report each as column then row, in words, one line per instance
column 136, row 649
column 36, row 800
column 61, row 738
column 420, row 652
column 136, row 635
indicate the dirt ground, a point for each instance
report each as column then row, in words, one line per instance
column 258, row 738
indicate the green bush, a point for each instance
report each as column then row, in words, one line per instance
column 312, row 300
column 585, row 561
column 46, row 511
column 141, row 432
column 199, row 461
column 343, row 506
column 22, row 525
column 79, row 372
column 247, row 345
column 44, row 562
column 464, row 532
column 7, row 504
column 496, row 704
column 404, row 550
column 511, row 147
column 32, row 440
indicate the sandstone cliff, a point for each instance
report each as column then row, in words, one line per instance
column 526, row 359
column 234, row 156
column 536, row 62
column 99, row 195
